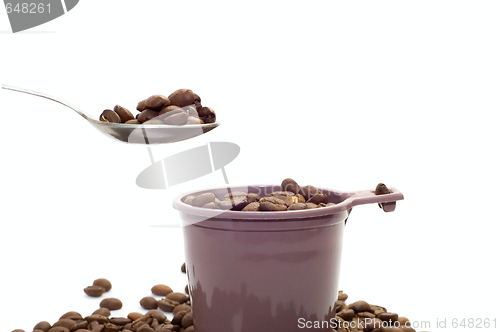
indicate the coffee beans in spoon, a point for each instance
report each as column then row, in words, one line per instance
column 180, row 108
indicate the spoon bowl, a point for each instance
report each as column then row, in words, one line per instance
column 132, row 133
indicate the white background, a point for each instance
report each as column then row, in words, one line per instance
column 339, row 95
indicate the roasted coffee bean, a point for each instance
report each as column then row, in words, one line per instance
column 82, row 324
column 182, row 97
column 272, row 204
column 177, row 320
column 347, row 314
column 167, row 304
column 239, row 203
column 181, row 307
column 154, row 122
column 100, row 319
column 103, row 312
column 80, row 330
column 110, row 116
column 186, row 289
column 366, row 314
column 403, row 321
column 59, row 329
column 111, row 303
column 18, row 330
column 251, row 197
column 225, row 204
column 210, row 206
column 187, row 320
column 342, row 296
column 43, row 325
column 157, row 102
column 104, row 283
column 161, row 290
column 298, row 206
column 145, row 328
column 124, row 114
column 235, row 194
column 141, row 106
column 178, row 119
column 388, row 317
column 178, row 297
column 133, row 121
column 194, row 120
column 120, row 321
column 134, row 315
column 203, row 199
column 382, row 189
column 290, row 185
column 66, row 322
column 311, row 206
column 71, row 315
column 210, row 117
column 147, row 115
column 308, row 192
column 189, row 200
column 318, row 199
column 170, row 110
column 189, row 329
column 94, row 291
column 149, row 302
column 339, row 306
column 158, row 315
column 254, row 206
column 360, row 306
column 183, row 267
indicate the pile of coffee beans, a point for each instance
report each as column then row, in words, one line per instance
column 360, row 316
column 180, row 108
column 99, row 287
column 290, row 197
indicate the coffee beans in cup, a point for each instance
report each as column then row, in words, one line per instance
column 182, row 107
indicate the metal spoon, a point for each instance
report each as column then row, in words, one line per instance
column 132, row 133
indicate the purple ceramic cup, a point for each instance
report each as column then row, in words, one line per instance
column 267, row 271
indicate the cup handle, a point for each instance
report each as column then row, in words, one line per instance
column 386, row 201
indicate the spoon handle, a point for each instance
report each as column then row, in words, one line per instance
column 43, row 95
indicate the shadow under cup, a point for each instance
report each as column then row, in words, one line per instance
column 262, row 271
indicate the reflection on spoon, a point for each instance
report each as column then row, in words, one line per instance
column 132, row 133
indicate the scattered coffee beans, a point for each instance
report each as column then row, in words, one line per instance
column 111, row 304
column 98, row 287
column 149, row 302
column 179, row 108
column 161, row 290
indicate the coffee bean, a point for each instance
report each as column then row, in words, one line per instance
column 210, row 116
column 43, row 325
column 94, row 291
column 342, row 296
column 187, row 320
column 59, row 329
column 388, row 317
column 403, row 329
column 347, row 314
column 318, row 198
column 103, row 312
column 272, row 204
column 254, row 206
column 167, row 304
column 104, row 283
column 186, row 289
column 203, row 199
column 141, row 106
column 149, row 302
column 194, row 120
column 182, row 97
column 382, row 189
column 366, row 314
column 155, row 122
column 360, row 306
column 71, row 315
column 111, row 303
column 298, row 206
column 239, row 203
column 290, row 185
column 109, row 327
column 157, row 102
column 82, row 324
column 403, row 321
column 161, row 290
column 124, row 114
column 110, row 116
column 177, row 320
column 225, row 205
column 308, row 192
column 339, row 306
column 147, row 115
column 66, row 322
column 183, row 267
column 181, row 307
column 311, row 206
column 189, row 329
column 210, row 205
column 176, row 119
column 251, row 197
column 145, row 328
column 18, row 330
column 133, row 121
column 170, row 110
column 157, row 315
column 100, row 319
column 134, row 315
column 178, row 297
